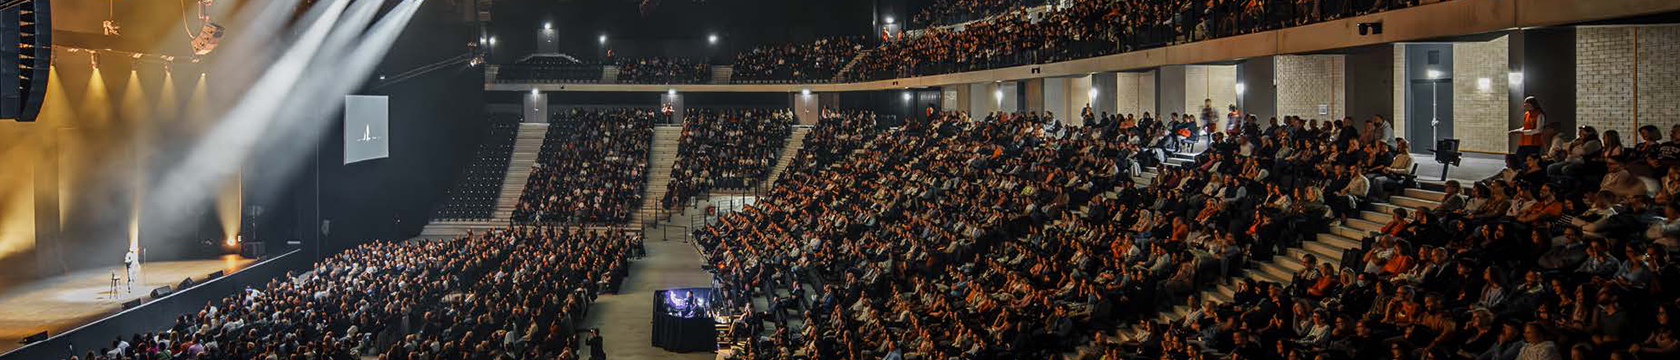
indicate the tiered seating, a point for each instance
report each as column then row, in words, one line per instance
column 505, row 294
column 663, row 71
column 811, row 62
column 544, row 68
column 475, row 192
column 728, row 149
column 592, row 168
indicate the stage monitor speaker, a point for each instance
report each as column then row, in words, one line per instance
column 131, row 304
column 214, row 275
column 253, row 250
column 161, row 292
column 185, row 283
column 34, row 338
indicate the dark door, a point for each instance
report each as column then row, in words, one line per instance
column 1429, row 116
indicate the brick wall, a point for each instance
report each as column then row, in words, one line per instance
column 1604, row 78
column 1659, row 69
column 1399, row 89
column 1481, row 114
column 1305, row 82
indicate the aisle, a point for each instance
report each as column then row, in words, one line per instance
column 626, row 318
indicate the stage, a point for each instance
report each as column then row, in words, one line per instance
column 64, row 302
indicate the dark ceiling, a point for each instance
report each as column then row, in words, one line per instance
column 673, row 27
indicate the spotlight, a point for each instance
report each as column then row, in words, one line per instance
column 548, row 26
column 1241, row 88
column 712, row 39
column 1433, row 74
column 806, row 92
column 1484, row 84
column 907, row 96
column 671, row 92
column 207, row 38
column 535, row 92
column 381, row 77
column 1092, row 93
column 889, row 19
column 1515, row 78
column 232, row 241
column 136, row 55
column 492, row 41
column 603, row 39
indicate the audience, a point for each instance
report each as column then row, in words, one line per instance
column 592, row 168
column 661, row 70
column 947, row 12
column 810, row 62
column 508, row 294
column 1015, row 237
column 730, row 149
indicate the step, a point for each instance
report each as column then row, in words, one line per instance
column 1363, row 224
column 1424, row 194
column 1414, row 203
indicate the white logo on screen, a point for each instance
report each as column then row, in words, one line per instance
column 367, row 134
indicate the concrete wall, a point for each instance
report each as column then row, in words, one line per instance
column 1169, row 90
column 1010, row 99
column 1105, row 84
column 1480, row 113
column 1306, row 84
column 1626, row 77
column 1079, row 96
column 1134, row 93
column 1032, row 95
column 1210, row 82
column 1055, row 97
column 982, row 99
column 1370, row 79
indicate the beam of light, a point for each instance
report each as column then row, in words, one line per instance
column 134, row 110
column 291, row 100
column 218, row 154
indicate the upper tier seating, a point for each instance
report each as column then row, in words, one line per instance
column 592, row 168
column 475, row 192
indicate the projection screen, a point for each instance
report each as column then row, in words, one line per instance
column 366, row 128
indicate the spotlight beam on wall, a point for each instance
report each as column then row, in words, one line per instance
column 218, row 155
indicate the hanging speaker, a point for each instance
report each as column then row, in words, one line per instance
column 25, row 57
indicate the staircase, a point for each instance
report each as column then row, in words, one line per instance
column 1327, row 247
column 525, row 148
column 663, row 155
column 722, row 74
column 795, row 141
column 843, row 69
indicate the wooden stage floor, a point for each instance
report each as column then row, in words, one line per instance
column 67, row 301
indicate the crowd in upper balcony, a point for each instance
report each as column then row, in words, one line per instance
column 948, row 12
column 729, row 149
column 506, row 294
column 807, row 62
column 663, row 70
column 592, row 167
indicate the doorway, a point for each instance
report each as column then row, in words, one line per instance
column 1430, row 112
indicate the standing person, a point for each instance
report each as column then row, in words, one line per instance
column 596, row 351
column 131, row 260
column 1529, row 138
column 1381, row 130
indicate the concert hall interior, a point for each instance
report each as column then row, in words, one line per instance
column 839, row 179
